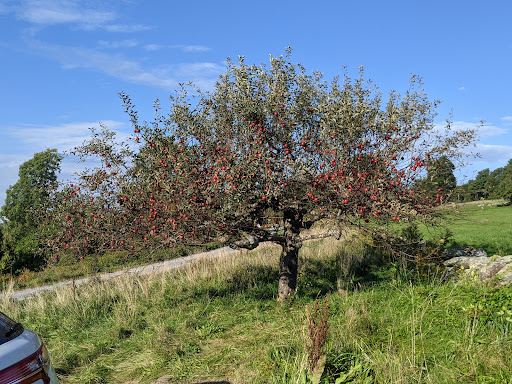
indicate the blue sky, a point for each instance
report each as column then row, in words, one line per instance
column 62, row 62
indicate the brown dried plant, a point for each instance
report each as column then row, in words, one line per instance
column 318, row 328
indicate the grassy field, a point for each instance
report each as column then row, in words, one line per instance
column 482, row 224
column 220, row 321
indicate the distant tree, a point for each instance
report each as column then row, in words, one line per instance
column 494, row 179
column 479, row 188
column 1, row 239
column 261, row 158
column 502, row 179
column 24, row 206
column 440, row 178
column 487, row 184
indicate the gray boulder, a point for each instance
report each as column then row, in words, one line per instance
column 464, row 252
column 497, row 269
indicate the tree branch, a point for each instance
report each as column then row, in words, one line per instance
column 252, row 241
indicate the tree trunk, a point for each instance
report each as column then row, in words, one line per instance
column 288, row 262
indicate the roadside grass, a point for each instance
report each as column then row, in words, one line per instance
column 69, row 269
column 219, row 320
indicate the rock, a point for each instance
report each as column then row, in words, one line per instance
column 470, row 260
column 163, row 380
column 487, row 272
column 507, row 259
column 506, row 279
column 464, row 252
column 466, row 262
column 169, row 379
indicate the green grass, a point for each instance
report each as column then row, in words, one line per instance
column 71, row 268
column 220, row 321
column 480, row 224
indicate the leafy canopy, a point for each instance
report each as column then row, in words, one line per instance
column 268, row 146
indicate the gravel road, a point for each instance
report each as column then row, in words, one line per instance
column 142, row 270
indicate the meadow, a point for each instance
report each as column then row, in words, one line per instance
column 482, row 224
column 219, row 319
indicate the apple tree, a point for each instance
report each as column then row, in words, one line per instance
column 266, row 154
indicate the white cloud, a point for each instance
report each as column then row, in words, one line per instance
column 185, row 48
column 194, row 48
column 9, row 165
column 494, row 153
column 126, row 28
column 507, row 118
column 118, row 44
column 490, row 156
column 9, row 168
column 84, row 15
column 35, row 138
column 461, row 88
column 168, row 77
column 490, row 130
column 52, row 12
column 483, row 131
column 63, row 137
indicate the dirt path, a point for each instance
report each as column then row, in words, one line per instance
column 142, row 270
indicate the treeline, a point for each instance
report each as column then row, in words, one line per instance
column 26, row 202
column 487, row 184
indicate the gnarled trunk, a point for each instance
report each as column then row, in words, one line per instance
column 288, row 262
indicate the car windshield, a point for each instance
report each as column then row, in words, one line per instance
column 8, row 329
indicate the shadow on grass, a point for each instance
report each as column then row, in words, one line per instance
column 212, row 382
column 316, row 278
column 253, row 282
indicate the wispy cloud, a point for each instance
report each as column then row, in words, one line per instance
column 490, row 130
column 497, row 154
column 9, row 165
column 461, row 88
column 63, row 137
column 5, row 8
column 126, row 28
column 118, row 44
column 483, row 131
column 35, row 138
column 507, row 119
column 167, row 77
column 185, row 48
column 80, row 14
column 107, row 56
column 52, row 12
